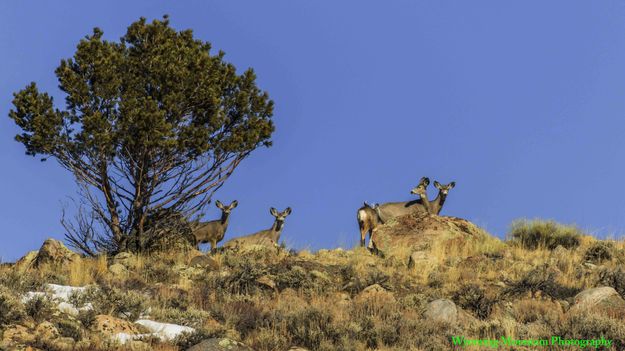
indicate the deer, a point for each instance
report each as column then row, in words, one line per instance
column 213, row 231
column 267, row 237
column 370, row 217
column 436, row 205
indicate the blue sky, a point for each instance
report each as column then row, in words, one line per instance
column 522, row 103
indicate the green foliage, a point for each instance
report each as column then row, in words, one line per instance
column 154, row 121
column 536, row 234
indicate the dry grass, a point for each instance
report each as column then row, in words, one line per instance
column 273, row 299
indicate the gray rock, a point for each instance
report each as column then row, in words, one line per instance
column 597, row 299
column 219, row 344
column 442, row 310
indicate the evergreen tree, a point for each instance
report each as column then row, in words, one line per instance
column 152, row 122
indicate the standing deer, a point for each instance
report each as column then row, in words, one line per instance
column 436, row 205
column 267, row 237
column 370, row 217
column 213, row 232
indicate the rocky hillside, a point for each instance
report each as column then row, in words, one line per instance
column 438, row 280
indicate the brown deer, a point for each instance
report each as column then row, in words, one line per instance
column 213, row 232
column 436, row 205
column 370, row 217
column 267, row 237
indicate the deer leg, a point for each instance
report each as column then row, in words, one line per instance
column 364, row 228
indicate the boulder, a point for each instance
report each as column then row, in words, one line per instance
column 109, row 326
column 442, row 310
column 126, row 259
column 602, row 299
column 204, row 261
column 219, row 344
column 54, row 252
column 47, row 331
column 267, row 281
column 118, row 270
column 375, row 293
column 421, row 234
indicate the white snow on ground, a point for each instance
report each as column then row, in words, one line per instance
column 164, row 331
column 123, row 338
column 61, row 294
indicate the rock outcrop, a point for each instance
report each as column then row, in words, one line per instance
column 54, row 252
column 413, row 237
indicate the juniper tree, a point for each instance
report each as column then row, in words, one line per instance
column 151, row 122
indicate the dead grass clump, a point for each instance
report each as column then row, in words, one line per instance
column 593, row 326
column 531, row 311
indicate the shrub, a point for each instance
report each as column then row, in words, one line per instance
column 614, row 277
column 245, row 316
column 39, row 308
column 473, row 298
column 599, row 251
column 11, row 308
column 310, row 327
column 593, row 326
column 68, row 328
column 543, row 279
column 112, row 301
column 544, row 234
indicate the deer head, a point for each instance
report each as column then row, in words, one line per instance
column 280, row 217
column 444, row 189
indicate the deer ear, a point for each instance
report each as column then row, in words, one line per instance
column 219, row 204
column 425, row 181
column 452, row 184
column 437, row 185
column 234, row 204
column 273, row 212
column 287, row 211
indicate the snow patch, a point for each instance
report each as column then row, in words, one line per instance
column 61, row 294
column 164, row 331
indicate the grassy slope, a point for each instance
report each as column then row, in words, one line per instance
column 273, row 299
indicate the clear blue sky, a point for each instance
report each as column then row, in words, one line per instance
column 522, row 103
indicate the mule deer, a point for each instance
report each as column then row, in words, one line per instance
column 369, row 217
column 436, row 205
column 267, row 237
column 213, row 232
